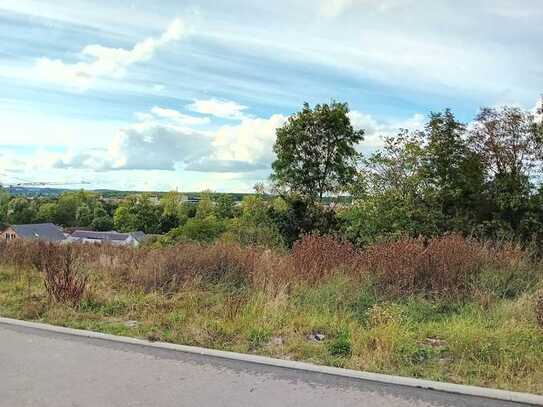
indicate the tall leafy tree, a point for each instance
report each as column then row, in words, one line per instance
column 48, row 212
column 21, row 211
column 316, row 152
column 4, row 200
column 508, row 142
column 137, row 212
column 454, row 172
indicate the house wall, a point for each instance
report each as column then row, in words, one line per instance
column 8, row 234
column 128, row 242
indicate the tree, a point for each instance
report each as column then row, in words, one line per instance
column 206, row 206
column 101, row 220
column 20, row 211
column 455, row 173
column 172, row 204
column 137, row 212
column 102, row 223
column 4, row 200
column 316, row 152
column 393, row 197
column 83, row 216
column 48, row 212
column 254, row 226
column 225, row 206
column 508, row 143
column 70, row 202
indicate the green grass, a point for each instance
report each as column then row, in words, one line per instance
column 490, row 341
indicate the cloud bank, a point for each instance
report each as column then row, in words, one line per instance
column 105, row 62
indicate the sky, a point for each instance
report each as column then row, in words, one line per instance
column 186, row 95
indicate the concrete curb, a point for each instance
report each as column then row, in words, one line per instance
column 474, row 391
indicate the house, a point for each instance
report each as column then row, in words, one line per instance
column 114, row 238
column 46, row 232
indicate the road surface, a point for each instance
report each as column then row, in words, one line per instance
column 39, row 368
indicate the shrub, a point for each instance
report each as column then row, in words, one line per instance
column 63, row 277
column 169, row 268
column 316, row 257
column 441, row 266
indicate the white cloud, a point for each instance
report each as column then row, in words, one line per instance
column 252, row 140
column 178, row 117
column 376, row 131
column 159, row 142
column 143, row 146
column 335, row 8
column 152, row 144
column 225, row 109
column 105, row 62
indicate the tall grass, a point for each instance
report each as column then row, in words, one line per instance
column 444, row 267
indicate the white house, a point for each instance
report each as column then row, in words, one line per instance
column 114, row 238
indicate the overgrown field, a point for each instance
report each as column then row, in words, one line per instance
column 444, row 309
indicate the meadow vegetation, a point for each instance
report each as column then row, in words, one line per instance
column 447, row 308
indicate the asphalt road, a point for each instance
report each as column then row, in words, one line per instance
column 51, row 369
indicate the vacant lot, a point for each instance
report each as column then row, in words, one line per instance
column 445, row 309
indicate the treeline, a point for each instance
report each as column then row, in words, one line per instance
column 480, row 179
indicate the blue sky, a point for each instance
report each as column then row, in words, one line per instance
column 143, row 95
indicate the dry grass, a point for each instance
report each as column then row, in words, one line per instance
column 447, row 266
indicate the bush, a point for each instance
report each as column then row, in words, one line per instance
column 197, row 230
column 316, row 257
column 440, row 266
column 64, row 279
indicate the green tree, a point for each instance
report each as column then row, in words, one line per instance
column 4, row 201
column 69, row 202
column 206, row 205
column 137, row 212
column 225, row 206
column 392, row 197
column 172, row 204
column 83, row 216
column 454, row 173
column 511, row 149
column 102, row 223
column 255, row 226
column 123, row 219
column 48, row 212
column 21, row 211
column 316, row 152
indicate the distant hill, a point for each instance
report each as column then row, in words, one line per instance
column 110, row 193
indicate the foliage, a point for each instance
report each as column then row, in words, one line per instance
column 450, row 179
column 225, row 207
column 196, row 229
column 102, row 223
column 137, row 213
column 296, row 217
column 316, row 152
column 48, row 213
column 21, row 211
